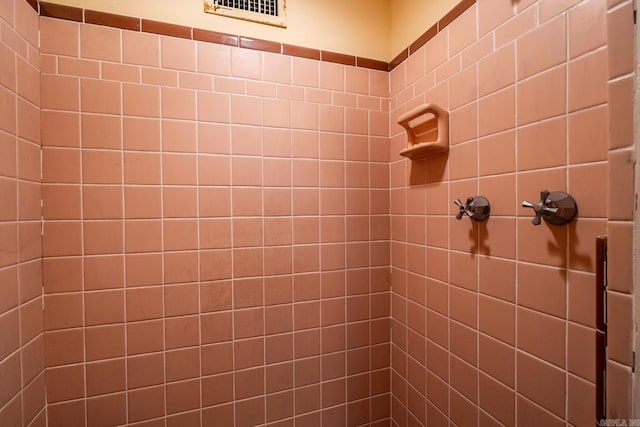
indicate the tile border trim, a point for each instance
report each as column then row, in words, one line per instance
column 87, row 16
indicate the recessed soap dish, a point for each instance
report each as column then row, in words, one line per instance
column 425, row 137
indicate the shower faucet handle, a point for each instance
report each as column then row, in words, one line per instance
column 538, row 208
column 463, row 208
column 556, row 208
column 476, row 208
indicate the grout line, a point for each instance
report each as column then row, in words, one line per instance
column 162, row 247
column 198, row 237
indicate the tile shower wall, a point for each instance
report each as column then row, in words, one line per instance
column 493, row 322
column 22, row 377
column 216, row 236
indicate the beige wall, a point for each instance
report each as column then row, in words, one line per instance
column 387, row 27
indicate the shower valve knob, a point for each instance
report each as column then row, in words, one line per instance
column 463, row 208
column 555, row 208
column 476, row 208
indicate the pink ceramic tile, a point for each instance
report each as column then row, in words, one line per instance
column 174, row 167
column 60, row 92
column 140, row 48
column 587, row 81
column 156, row 76
column 246, row 110
column 496, row 112
column 213, row 107
column 227, row 85
column 477, row 50
column 99, row 96
column 588, row 135
column 464, row 87
column 101, row 167
column 581, row 400
column 515, row 27
column 79, row 67
column 589, row 179
column 28, row 124
column 542, row 144
column 357, row 80
column 176, row 53
column 436, row 51
column 497, row 400
column 101, row 131
column 448, row 69
column 332, row 76
column 542, row 96
column 620, row 345
column 178, row 136
column 464, row 124
column 463, row 31
column 102, row 202
column 550, row 8
column 276, row 68
column 304, row 116
column 620, row 185
column 141, row 100
column 464, row 160
column 492, row 15
column 619, row 383
column 533, row 376
column 178, row 103
column 534, row 328
column 276, row 113
column 59, row 37
column 542, row 48
column 246, row 63
column 28, row 81
column 246, row 171
column 8, row 73
column 304, row 72
column 214, row 58
column 98, row 42
column 620, row 113
column 7, row 12
column 587, row 27
column 497, row 70
column 620, row 40
column 195, row 81
column 620, row 248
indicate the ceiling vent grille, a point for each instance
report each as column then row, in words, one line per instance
column 266, row 7
column 271, row 12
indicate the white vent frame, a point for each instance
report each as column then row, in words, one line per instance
column 279, row 20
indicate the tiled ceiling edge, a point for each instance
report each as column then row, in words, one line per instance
column 111, row 20
column 215, row 37
column 404, row 54
column 337, row 58
column 263, row 45
column 301, row 52
column 423, row 39
column 165, row 29
column 454, row 13
column 70, row 13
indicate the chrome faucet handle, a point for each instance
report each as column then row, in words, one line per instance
column 555, row 208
